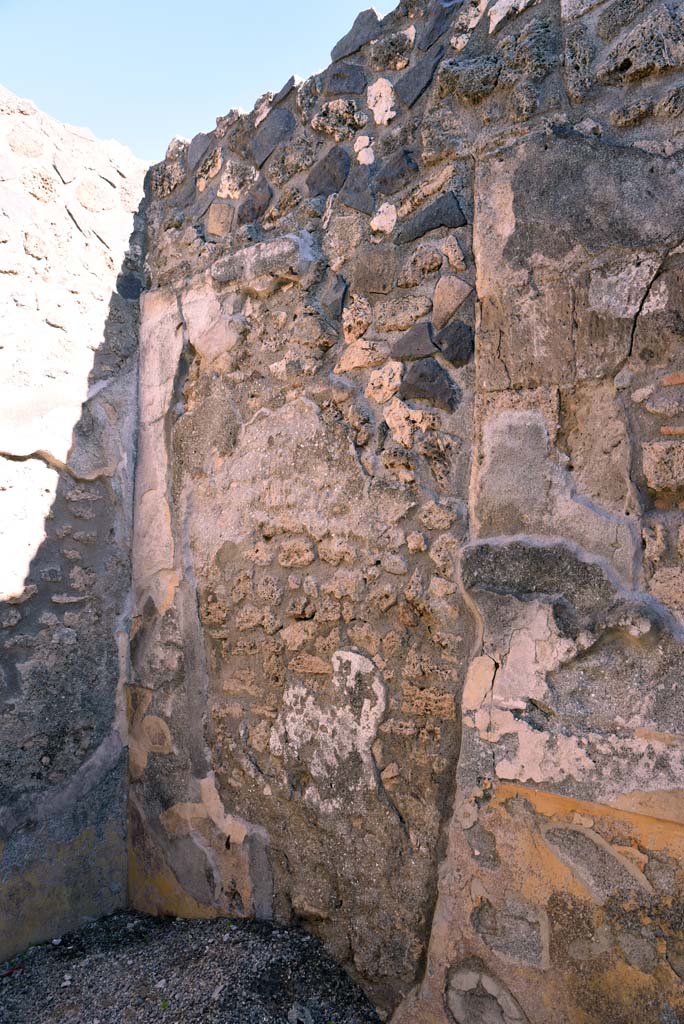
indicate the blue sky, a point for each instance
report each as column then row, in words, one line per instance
column 142, row 71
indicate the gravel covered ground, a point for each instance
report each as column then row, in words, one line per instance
column 140, row 969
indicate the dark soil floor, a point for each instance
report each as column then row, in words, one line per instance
column 130, row 968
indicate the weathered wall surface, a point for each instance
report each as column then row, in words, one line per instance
column 408, row 645
column 68, row 362
column 306, row 410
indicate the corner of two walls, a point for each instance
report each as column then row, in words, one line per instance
column 407, row 627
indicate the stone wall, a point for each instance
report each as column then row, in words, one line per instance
column 408, row 586
column 406, row 619
column 68, row 363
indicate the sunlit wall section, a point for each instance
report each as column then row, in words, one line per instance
column 68, row 363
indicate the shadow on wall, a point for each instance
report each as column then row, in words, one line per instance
column 64, row 652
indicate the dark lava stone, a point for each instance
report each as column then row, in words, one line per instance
column 344, row 78
column 416, row 343
column 456, row 343
column 330, row 173
column 395, row 172
column 277, row 127
column 444, row 212
column 426, row 379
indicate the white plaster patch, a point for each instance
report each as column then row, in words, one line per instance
column 385, row 219
column 381, row 101
column 478, row 685
column 543, row 758
column 363, row 147
column 491, row 699
column 333, row 730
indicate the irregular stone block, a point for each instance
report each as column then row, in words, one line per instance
column 424, row 260
column 579, row 53
column 415, row 344
column 393, row 51
column 395, row 172
column 473, row 78
column 365, row 27
column 444, row 212
column 129, row 286
column 600, row 867
column 514, row 932
column 292, row 83
column 339, row 118
column 413, row 84
column 539, row 175
column 358, row 192
column 344, row 78
column 384, row 383
column 398, row 313
column 277, row 127
column 256, row 202
column 517, row 567
column 456, row 343
column 211, row 331
column 664, row 465
column 475, row 995
column 667, row 585
column 361, row 355
column 332, row 296
column 653, row 47
column 520, row 487
column 450, row 293
column 504, row 10
column 427, row 380
column 671, row 104
column 330, row 173
column 264, row 267
column 219, row 218
column 615, row 16
column 197, row 149
column 573, row 9
column 435, row 26
column 357, row 317
column 635, row 113
column 375, row 271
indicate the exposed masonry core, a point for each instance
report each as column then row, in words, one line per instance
column 401, row 640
